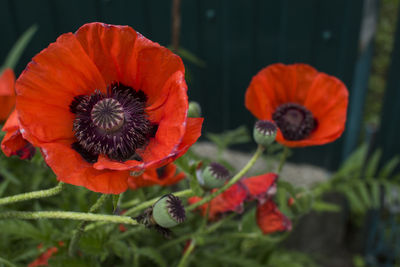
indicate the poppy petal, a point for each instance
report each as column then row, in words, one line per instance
column 258, row 186
column 69, row 167
column 270, row 219
column 53, row 78
column 7, row 93
column 230, row 200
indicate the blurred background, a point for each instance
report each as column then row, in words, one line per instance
column 225, row 42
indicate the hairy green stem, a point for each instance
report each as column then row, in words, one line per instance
column 236, row 178
column 81, row 227
column 142, row 206
column 285, row 154
column 68, row 215
column 184, row 260
column 32, row 195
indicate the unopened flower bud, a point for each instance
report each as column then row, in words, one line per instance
column 194, row 110
column 214, row 176
column 264, row 132
column 168, row 211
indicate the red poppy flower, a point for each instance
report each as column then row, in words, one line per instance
column 262, row 188
column 7, row 93
column 43, row 259
column 13, row 144
column 103, row 102
column 308, row 106
column 165, row 175
column 270, row 219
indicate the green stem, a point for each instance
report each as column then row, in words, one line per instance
column 283, row 159
column 146, row 204
column 184, row 260
column 236, row 178
column 143, row 205
column 69, row 215
column 81, row 227
column 32, row 195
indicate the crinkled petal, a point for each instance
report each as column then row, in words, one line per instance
column 70, row 168
column 258, row 186
column 271, row 220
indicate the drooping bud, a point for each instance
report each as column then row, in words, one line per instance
column 168, row 211
column 194, row 110
column 214, row 176
column 264, row 132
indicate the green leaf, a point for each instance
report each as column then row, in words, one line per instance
column 15, row 54
column 115, row 199
column 7, row 263
column 361, row 188
column 239, row 135
column 153, row 255
column 353, row 164
column 389, row 167
column 373, row 163
column 190, row 57
column 322, row 206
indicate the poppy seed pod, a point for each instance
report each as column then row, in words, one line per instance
column 168, row 211
column 264, row 132
column 214, row 176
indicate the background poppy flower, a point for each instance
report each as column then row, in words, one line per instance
column 13, row 144
column 103, row 102
column 163, row 176
column 262, row 188
column 308, row 106
column 7, row 93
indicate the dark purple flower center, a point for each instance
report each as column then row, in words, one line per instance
column 294, row 120
column 114, row 124
column 266, row 127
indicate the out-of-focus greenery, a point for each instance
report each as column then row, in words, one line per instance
column 381, row 60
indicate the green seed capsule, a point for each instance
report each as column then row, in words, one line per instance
column 264, row 132
column 214, row 176
column 168, row 211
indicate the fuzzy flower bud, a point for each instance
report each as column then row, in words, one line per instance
column 264, row 132
column 194, row 110
column 168, row 211
column 214, row 176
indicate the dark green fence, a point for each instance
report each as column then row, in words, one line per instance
column 235, row 38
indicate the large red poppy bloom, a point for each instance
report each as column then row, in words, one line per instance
column 7, row 93
column 103, row 102
column 261, row 188
column 163, row 176
column 308, row 106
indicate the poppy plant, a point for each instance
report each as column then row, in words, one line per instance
column 163, row 176
column 260, row 188
column 105, row 102
column 309, row 107
column 7, row 93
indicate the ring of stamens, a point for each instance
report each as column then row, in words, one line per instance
column 294, row 120
column 114, row 124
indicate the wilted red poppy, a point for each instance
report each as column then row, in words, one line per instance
column 165, row 175
column 308, row 106
column 13, row 144
column 103, row 102
column 262, row 188
column 230, row 200
column 7, row 93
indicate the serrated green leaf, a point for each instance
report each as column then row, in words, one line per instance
column 153, row 255
column 322, row 206
column 15, row 54
column 389, row 167
column 115, row 199
column 372, row 164
column 362, row 190
column 353, row 164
